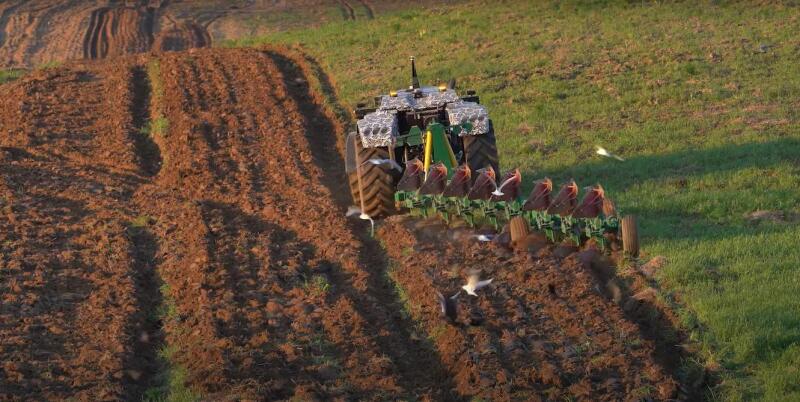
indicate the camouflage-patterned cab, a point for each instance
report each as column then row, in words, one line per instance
column 430, row 124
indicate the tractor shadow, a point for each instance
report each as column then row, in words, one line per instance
column 419, row 365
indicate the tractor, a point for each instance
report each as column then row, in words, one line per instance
column 455, row 138
column 430, row 123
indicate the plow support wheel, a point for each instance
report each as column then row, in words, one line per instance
column 630, row 236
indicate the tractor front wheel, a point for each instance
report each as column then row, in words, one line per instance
column 377, row 181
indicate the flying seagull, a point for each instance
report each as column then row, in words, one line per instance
column 474, row 283
column 449, row 305
column 602, row 151
column 384, row 162
column 515, row 177
column 353, row 211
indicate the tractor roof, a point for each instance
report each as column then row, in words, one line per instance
column 419, row 98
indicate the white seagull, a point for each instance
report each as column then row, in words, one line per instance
column 474, row 283
column 383, row 162
column 602, row 151
column 483, row 237
column 353, row 211
column 497, row 191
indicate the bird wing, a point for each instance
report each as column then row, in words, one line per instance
column 473, row 277
column 353, row 210
column 509, row 180
column 469, row 289
column 484, row 237
column 441, row 300
column 483, row 284
column 395, row 165
column 602, row 151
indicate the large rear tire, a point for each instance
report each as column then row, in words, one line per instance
column 481, row 151
column 377, row 181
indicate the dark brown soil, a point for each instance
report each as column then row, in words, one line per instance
column 543, row 330
column 223, row 245
column 262, row 264
column 74, row 278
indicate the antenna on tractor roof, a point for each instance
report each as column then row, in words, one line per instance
column 414, row 79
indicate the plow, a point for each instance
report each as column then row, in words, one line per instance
column 431, row 152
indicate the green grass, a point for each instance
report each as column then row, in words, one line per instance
column 11, row 74
column 49, row 65
column 158, row 124
column 317, row 286
column 171, row 379
column 702, row 101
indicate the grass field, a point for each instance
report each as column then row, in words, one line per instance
column 702, row 101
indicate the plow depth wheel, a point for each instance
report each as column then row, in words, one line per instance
column 630, row 236
column 377, row 181
column 481, row 151
column 519, row 228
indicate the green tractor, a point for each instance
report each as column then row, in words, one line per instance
column 454, row 137
column 423, row 123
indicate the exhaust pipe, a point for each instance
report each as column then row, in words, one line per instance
column 414, row 79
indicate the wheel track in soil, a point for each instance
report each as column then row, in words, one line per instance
column 115, row 31
column 42, row 33
column 148, row 335
column 8, row 10
column 72, row 257
column 379, row 301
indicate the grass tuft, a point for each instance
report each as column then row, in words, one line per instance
column 317, row 286
column 50, row 65
column 158, row 125
column 12, row 74
column 172, row 377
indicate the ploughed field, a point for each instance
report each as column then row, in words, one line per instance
column 185, row 214
column 41, row 32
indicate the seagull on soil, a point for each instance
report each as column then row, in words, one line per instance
column 448, row 305
column 483, row 237
column 353, row 211
column 474, row 283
